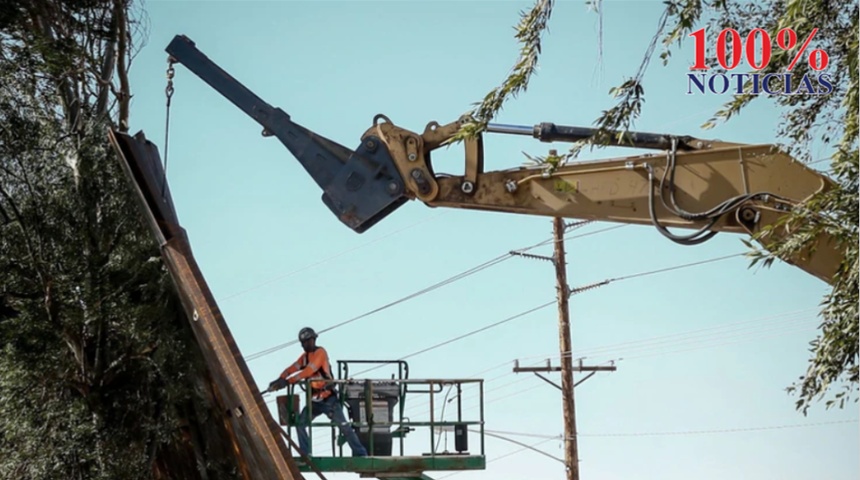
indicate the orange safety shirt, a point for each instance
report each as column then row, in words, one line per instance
column 313, row 365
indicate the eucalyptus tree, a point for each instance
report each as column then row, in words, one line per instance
column 99, row 375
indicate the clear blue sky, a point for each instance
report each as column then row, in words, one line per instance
column 277, row 260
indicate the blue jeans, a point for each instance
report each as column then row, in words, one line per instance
column 332, row 409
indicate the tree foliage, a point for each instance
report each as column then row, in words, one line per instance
column 829, row 120
column 99, row 376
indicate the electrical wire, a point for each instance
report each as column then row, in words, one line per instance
column 797, row 326
column 539, row 307
column 438, row 285
column 783, row 333
column 443, row 283
column 685, row 346
column 676, row 433
column 468, row 334
column 527, row 434
column 676, row 267
column 780, row 333
column 625, row 277
column 779, row 327
column 490, row 369
column 489, row 380
column 776, row 319
column 502, row 437
column 504, row 397
column 442, row 419
column 550, row 438
column 514, row 452
column 692, row 239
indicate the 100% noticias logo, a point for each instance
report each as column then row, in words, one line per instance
column 758, row 44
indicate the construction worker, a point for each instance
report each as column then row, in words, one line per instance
column 314, row 364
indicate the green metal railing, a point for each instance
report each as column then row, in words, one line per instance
column 368, row 395
column 400, row 422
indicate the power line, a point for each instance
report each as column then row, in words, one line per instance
column 597, row 349
column 418, row 293
column 502, row 437
column 676, row 267
column 706, row 432
column 447, row 281
column 414, row 406
column 550, row 438
column 511, row 383
column 683, row 342
column 526, row 377
column 702, row 332
column 503, row 397
column 779, row 333
column 624, row 434
column 682, row 432
column 490, row 369
column 519, row 450
column 595, row 285
column 617, row 357
column 534, row 309
column 469, row 334
column 825, row 159
column 521, row 314
column 789, row 326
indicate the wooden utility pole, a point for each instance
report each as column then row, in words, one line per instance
column 571, row 455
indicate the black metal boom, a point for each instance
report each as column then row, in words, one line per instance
column 359, row 186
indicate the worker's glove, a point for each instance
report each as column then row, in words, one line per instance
column 277, row 384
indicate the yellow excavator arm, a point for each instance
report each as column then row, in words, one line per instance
column 694, row 184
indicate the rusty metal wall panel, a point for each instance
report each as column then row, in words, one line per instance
column 257, row 432
column 261, row 450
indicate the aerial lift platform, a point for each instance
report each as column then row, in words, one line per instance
column 377, row 409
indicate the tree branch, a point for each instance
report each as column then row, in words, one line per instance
column 71, row 104
column 124, row 96
column 532, row 26
column 108, row 63
column 22, row 224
